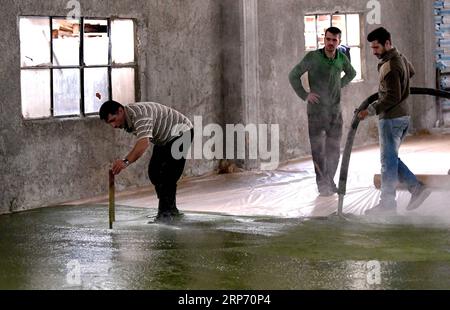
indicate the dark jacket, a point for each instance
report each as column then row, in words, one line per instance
column 394, row 74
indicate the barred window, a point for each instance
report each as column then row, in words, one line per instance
column 349, row 24
column 69, row 67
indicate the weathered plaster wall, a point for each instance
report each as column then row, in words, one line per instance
column 47, row 162
column 281, row 41
column 225, row 60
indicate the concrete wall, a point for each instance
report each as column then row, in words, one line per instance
column 184, row 62
column 426, row 115
column 47, row 162
column 227, row 60
column 241, row 69
column 281, row 43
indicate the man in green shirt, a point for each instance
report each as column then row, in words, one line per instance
column 324, row 67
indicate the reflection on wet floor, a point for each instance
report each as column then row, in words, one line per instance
column 252, row 230
column 213, row 251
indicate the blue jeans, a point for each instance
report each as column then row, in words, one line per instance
column 393, row 170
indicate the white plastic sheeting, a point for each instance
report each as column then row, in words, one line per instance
column 291, row 191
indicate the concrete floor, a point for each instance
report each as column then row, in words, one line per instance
column 243, row 231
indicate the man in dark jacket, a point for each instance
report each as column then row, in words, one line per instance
column 392, row 108
column 324, row 67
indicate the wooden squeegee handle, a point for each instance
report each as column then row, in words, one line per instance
column 112, row 211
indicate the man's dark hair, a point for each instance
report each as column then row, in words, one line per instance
column 109, row 107
column 335, row 31
column 381, row 35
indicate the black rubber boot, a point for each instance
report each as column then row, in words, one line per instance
column 167, row 209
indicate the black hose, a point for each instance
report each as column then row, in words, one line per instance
column 342, row 188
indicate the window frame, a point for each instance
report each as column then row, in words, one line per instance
column 360, row 46
column 82, row 66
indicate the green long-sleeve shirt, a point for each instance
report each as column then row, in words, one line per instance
column 324, row 76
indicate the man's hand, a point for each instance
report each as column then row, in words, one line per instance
column 137, row 151
column 363, row 114
column 118, row 166
column 313, row 98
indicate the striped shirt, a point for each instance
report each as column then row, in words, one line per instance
column 155, row 121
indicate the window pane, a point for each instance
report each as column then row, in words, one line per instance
column 353, row 29
column 355, row 54
column 323, row 23
column 339, row 21
column 66, row 42
column 96, row 42
column 95, row 88
column 310, row 33
column 122, row 38
column 35, row 89
column 34, row 41
column 123, row 85
column 66, row 92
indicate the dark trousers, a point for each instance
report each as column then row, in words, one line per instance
column 325, row 133
column 164, row 172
